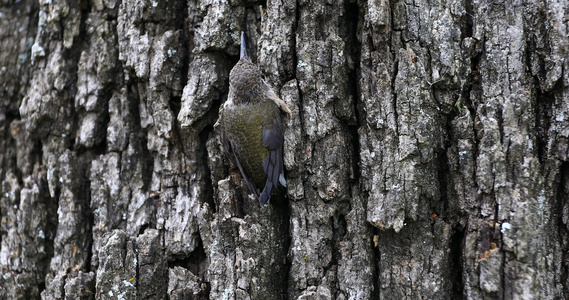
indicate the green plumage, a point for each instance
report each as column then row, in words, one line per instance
column 243, row 124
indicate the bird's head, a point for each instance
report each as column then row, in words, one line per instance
column 247, row 86
column 245, row 78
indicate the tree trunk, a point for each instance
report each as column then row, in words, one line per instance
column 427, row 154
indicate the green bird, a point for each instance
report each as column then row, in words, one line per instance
column 252, row 128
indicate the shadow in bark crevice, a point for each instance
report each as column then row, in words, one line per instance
column 560, row 213
column 456, row 261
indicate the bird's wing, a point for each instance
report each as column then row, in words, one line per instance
column 273, row 164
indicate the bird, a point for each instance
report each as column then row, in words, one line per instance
column 252, row 128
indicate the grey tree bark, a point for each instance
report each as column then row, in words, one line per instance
column 427, row 155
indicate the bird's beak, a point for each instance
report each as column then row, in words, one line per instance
column 243, row 52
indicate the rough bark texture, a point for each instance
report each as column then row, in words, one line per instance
column 427, row 155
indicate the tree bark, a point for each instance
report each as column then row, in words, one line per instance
column 427, row 154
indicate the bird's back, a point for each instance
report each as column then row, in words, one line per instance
column 244, row 125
